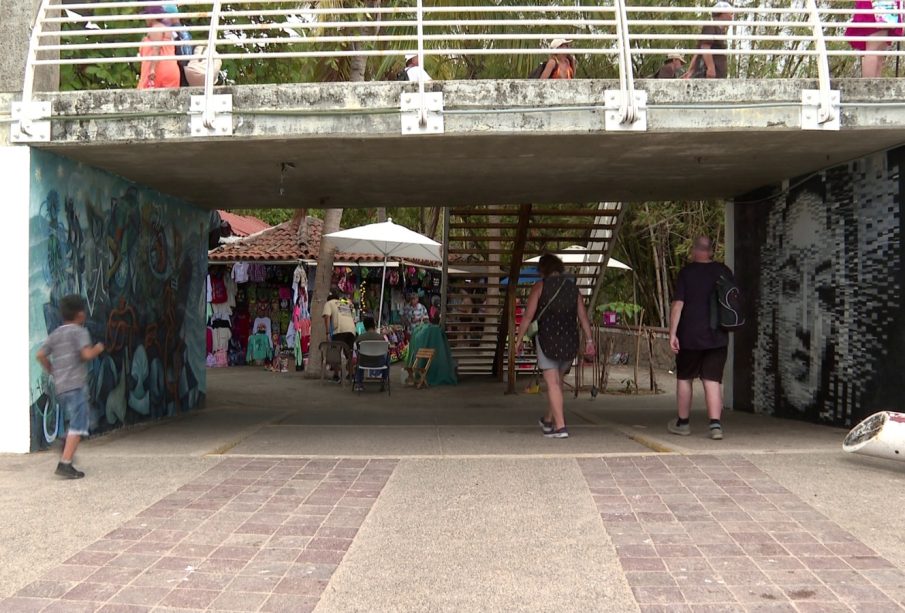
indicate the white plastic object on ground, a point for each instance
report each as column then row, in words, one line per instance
column 882, row 435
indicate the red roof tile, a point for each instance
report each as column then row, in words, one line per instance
column 280, row 244
column 243, row 225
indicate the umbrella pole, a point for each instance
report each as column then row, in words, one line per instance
column 383, row 280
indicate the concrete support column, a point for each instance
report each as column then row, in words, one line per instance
column 729, row 374
column 15, row 173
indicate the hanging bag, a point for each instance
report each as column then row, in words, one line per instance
column 196, row 68
column 534, row 327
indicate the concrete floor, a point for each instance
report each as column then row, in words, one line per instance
column 481, row 513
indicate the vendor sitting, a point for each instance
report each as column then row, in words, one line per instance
column 368, row 361
column 414, row 312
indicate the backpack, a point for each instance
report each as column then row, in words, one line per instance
column 537, row 72
column 726, row 304
column 403, row 75
column 196, row 69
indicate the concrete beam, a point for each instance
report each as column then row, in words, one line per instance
column 504, row 141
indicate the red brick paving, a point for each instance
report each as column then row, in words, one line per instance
column 247, row 535
column 710, row 534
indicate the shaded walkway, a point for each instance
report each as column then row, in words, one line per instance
column 774, row 518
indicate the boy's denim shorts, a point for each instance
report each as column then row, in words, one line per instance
column 74, row 404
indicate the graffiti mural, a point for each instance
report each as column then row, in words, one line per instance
column 139, row 259
column 826, row 295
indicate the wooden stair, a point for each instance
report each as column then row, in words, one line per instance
column 490, row 244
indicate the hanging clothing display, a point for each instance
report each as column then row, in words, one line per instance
column 240, row 272
column 260, row 348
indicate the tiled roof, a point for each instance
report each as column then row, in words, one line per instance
column 280, row 244
column 243, row 225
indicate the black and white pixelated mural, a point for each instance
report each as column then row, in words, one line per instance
column 823, row 264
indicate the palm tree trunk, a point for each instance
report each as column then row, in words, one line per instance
column 322, row 281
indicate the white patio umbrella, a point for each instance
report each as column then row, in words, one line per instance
column 389, row 240
column 576, row 255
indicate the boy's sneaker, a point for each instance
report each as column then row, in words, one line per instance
column 716, row 433
column 68, row 471
column 675, row 428
column 561, row 433
column 545, row 426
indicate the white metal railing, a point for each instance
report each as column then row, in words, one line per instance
column 616, row 39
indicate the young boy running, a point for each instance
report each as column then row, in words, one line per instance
column 64, row 355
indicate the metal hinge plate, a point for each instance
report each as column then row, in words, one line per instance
column 815, row 118
column 614, row 99
column 31, row 122
column 221, row 115
column 411, row 113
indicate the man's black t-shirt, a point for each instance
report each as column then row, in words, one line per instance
column 694, row 288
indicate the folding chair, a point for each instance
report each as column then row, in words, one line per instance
column 418, row 373
column 333, row 354
column 374, row 349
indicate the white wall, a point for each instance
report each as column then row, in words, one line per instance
column 729, row 373
column 15, row 172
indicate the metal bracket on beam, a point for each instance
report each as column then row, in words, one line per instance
column 819, row 112
column 621, row 116
column 31, row 122
column 411, row 113
column 214, row 121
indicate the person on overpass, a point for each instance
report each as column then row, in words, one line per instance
column 884, row 20
column 671, row 68
column 413, row 70
column 561, row 64
column 700, row 349
column 157, row 74
column 712, row 65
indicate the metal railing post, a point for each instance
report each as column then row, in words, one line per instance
column 422, row 114
column 825, row 111
column 210, row 78
column 26, row 111
column 628, row 111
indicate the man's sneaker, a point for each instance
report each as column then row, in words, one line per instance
column 545, row 426
column 716, row 433
column 561, row 433
column 675, row 428
column 68, row 471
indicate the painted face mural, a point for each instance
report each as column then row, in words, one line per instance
column 805, row 313
column 828, row 325
column 139, row 259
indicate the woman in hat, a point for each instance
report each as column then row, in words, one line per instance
column 157, row 74
column 561, row 64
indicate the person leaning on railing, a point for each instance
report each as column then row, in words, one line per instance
column 157, row 74
column 712, row 65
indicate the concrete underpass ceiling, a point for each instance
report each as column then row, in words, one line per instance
column 477, row 169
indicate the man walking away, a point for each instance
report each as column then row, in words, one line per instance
column 700, row 349
column 413, row 70
column 712, row 65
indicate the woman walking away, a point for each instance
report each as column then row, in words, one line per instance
column 558, row 307
column 878, row 18
column 158, row 74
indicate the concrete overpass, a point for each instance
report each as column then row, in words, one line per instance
column 502, row 141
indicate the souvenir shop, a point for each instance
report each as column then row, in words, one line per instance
column 259, row 313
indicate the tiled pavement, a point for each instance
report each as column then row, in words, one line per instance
column 705, row 533
column 247, row 535
column 692, row 533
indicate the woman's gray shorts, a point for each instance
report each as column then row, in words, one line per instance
column 545, row 363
